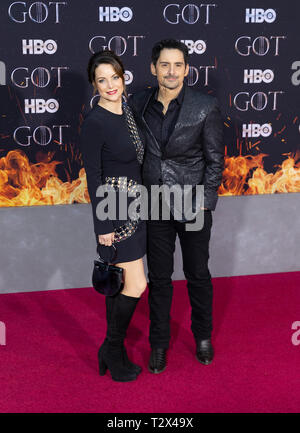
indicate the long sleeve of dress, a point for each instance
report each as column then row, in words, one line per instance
column 91, row 144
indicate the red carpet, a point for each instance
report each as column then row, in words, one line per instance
column 49, row 361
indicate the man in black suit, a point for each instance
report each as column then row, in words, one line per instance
column 183, row 132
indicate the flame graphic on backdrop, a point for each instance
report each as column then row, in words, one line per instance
column 245, row 175
column 23, row 183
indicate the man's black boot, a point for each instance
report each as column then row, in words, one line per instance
column 158, row 361
column 204, row 351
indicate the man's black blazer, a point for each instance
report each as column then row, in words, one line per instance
column 194, row 154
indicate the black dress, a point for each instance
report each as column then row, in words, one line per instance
column 110, row 158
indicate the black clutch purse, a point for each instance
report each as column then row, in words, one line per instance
column 107, row 279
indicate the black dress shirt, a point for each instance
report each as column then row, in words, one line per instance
column 162, row 125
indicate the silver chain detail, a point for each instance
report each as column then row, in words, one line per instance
column 125, row 185
column 134, row 134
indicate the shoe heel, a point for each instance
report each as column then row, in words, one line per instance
column 102, row 367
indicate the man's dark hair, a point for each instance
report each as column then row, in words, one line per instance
column 169, row 44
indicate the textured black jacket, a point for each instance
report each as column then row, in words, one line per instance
column 194, row 154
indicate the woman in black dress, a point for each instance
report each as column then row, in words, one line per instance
column 112, row 156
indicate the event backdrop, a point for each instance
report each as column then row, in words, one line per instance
column 245, row 53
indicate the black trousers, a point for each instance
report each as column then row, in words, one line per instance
column 161, row 237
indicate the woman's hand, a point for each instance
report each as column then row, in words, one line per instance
column 106, row 239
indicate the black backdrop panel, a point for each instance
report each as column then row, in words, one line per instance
column 245, row 53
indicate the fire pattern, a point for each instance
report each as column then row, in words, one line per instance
column 23, row 183
column 245, row 175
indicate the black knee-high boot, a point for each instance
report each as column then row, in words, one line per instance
column 109, row 307
column 111, row 353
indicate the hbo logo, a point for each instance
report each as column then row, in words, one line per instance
column 260, row 15
column 255, row 130
column 198, row 47
column 257, row 76
column 37, row 46
column 114, row 14
column 40, row 106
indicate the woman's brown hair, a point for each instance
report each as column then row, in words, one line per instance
column 108, row 57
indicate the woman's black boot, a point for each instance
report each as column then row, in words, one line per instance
column 109, row 306
column 111, row 353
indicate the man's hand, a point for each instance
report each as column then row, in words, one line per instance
column 106, row 239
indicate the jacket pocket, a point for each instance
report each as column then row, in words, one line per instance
column 193, row 176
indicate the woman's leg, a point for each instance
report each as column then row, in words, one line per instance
column 134, row 285
column 134, row 278
column 112, row 354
